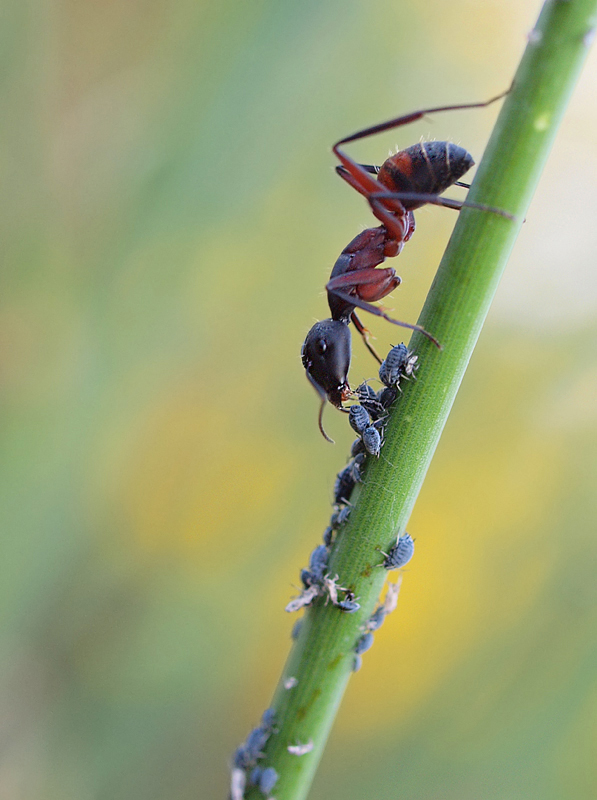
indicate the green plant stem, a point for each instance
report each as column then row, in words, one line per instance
column 454, row 312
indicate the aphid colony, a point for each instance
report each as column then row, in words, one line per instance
column 367, row 420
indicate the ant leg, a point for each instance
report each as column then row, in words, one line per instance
column 382, row 281
column 379, row 312
column 365, row 334
column 405, row 119
column 434, row 200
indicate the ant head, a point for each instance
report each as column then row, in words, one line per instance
column 326, row 358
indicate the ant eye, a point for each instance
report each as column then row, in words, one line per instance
column 321, row 346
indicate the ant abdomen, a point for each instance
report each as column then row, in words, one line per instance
column 424, row 168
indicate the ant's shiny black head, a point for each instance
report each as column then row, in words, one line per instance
column 326, row 358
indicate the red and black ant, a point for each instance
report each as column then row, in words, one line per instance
column 406, row 181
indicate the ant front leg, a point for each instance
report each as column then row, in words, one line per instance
column 365, row 333
column 376, row 203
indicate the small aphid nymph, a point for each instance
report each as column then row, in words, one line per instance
column 267, row 781
column 364, row 643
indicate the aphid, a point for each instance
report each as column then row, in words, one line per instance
column 364, row 643
column 390, row 370
column 358, row 418
column 357, row 448
column 242, row 758
column 357, row 663
column 256, row 775
column 256, row 741
column 349, row 604
column 356, row 466
column 340, row 516
column 300, row 749
column 388, row 395
column 305, row 598
column 344, row 485
column 267, row 781
column 406, row 181
column 290, row 683
column 328, row 536
column 296, row 629
column 268, row 720
column 372, row 440
column 238, row 782
column 307, row 578
column 368, row 399
column 376, row 619
column 318, row 561
column 401, row 553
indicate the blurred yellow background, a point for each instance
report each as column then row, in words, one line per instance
column 169, row 218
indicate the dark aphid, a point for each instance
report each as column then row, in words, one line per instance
column 318, row 561
column 241, row 758
column 328, row 536
column 340, row 516
column 356, row 466
column 267, row 781
column 359, row 418
column 349, row 604
column 357, row 663
column 368, row 399
column 372, row 440
column 390, row 370
column 256, row 775
column 307, row 578
column 376, row 619
column 268, row 719
column 401, row 553
column 357, row 448
column 296, row 629
column 388, row 395
column 344, row 485
column 364, row 643
column 256, row 741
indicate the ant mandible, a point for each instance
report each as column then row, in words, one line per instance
column 406, row 181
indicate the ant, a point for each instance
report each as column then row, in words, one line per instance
column 406, row 181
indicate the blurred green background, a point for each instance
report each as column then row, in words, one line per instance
column 170, row 215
